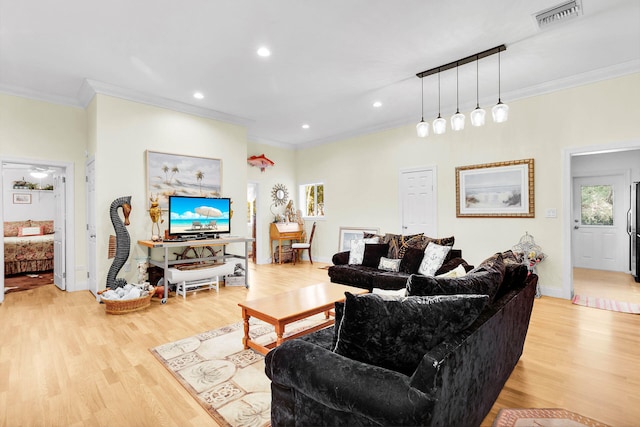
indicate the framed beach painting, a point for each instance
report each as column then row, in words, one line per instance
column 347, row 234
column 503, row 189
column 178, row 175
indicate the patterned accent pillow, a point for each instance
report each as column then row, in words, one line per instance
column 434, row 256
column 11, row 228
column 356, row 254
column 389, row 264
column 398, row 243
column 47, row 225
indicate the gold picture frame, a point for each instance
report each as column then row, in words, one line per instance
column 496, row 190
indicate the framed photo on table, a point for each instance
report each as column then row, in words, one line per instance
column 178, row 175
column 347, row 234
column 503, row 189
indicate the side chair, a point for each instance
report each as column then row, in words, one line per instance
column 299, row 247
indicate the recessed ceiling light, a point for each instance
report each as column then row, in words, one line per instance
column 198, row 95
column 377, row 104
column 305, row 126
column 264, row 52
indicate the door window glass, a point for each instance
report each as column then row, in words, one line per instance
column 596, row 205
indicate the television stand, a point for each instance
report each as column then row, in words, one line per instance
column 167, row 245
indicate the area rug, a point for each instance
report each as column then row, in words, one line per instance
column 227, row 380
column 606, row 304
column 543, row 418
column 24, row 282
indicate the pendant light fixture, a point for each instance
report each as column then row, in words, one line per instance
column 477, row 115
column 500, row 111
column 422, row 128
column 457, row 120
column 439, row 124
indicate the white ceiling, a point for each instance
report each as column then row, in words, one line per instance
column 331, row 58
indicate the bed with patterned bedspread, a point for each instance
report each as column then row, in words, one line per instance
column 28, row 246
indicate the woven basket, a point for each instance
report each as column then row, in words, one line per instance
column 127, row 306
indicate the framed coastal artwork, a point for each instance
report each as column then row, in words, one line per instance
column 179, row 175
column 503, row 189
column 347, row 234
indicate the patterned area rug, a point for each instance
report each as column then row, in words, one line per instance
column 606, row 304
column 543, row 418
column 227, row 380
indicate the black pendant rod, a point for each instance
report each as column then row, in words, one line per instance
column 466, row 60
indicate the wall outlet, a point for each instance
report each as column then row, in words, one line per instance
column 127, row 266
column 551, row 213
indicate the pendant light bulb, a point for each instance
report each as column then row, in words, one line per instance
column 422, row 128
column 477, row 115
column 500, row 111
column 457, row 120
column 439, row 124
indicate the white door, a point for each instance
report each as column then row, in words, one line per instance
column 90, row 181
column 59, row 235
column 599, row 238
column 418, row 201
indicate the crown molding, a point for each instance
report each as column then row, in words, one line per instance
column 102, row 88
column 40, row 96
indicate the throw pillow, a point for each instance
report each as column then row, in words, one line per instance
column 389, row 264
column 356, row 254
column 396, row 332
column 483, row 280
column 47, row 226
column 398, row 243
column 453, row 263
column 411, row 260
column 29, row 231
column 392, row 292
column 459, row 271
column 373, row 252
column 434, row 256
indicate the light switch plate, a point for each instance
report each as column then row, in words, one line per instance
column 550, row 213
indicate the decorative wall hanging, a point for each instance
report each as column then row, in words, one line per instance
column 177, row 175
column 123, row 241
column 279, row 194
column 260, row 161
column 503, row 189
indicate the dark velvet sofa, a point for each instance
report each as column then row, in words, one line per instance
column 368, row 276
column 454, row 383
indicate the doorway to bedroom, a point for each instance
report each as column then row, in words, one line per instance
column 34, row 223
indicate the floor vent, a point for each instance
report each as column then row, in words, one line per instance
column 559, row 13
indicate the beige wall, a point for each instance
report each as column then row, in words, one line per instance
column 361, row 174
column 283, row 172
column 42, row 131
column 124, row 131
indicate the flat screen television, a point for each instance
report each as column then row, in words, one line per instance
column 199, row 216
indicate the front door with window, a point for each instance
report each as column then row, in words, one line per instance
column 599, row 238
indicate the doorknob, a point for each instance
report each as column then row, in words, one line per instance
column 576, row 226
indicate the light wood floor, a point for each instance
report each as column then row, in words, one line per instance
column 64, row 362
column 606, row 284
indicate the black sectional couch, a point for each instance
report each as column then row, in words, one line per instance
column 442, row 367
column 368, row 276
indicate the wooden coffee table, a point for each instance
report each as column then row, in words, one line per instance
column 282, row 309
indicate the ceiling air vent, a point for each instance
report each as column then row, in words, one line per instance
column 558, row 13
